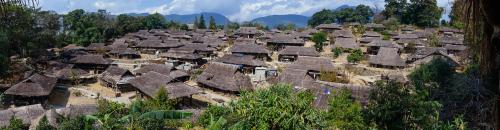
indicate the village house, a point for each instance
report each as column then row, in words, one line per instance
column 387, row 58
column 124, row 53
column 346, row 43
column 33, row 90
column 291, row 53
column 148, row 85
column 343, row 34
column 329, row 28
column 204, row 50
column 313, row 65
column 258, row 51
column 97, row 48
column 116, row 78
column 27, row 114
column 157, row 46
column 449, row 31
column 370, row 36
column 247, row 32
column 407, row 30
column 224, row 77
column 425, row 55
column 177, row 75
column 95, row 64
column 256, row 69
column 453, row 45
column 374, row 46
column 278, row 43
column 72, row 76
column 183, row 59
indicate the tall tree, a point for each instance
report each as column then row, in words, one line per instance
column 213, row 25
column 424, row 13
column 202, row 24
column 395, row 8
column 155, row 21
column 363, row 14
column 324, row 16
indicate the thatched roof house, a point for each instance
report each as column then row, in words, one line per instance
column 238, row 59
column 248, row 32
column 94, row 63
column 115, row 77
column 371, row 34
column 28, row 113
column 291, row 53
column 158, row 44
column 124, row 53
column 427, row 54
column 315, row 64
column 150, row 83
column 51, row 116
column 374, row 26
column 298, row 78
column 159, row 68
column 258, row 51
column 450, row 40
column 35, row 86
column 346, row 43
column 387, row 57
column 343, row 34
column 67, row 74
column 374, row 46
column 73, row 111
column 97, row 47
column 224, row 77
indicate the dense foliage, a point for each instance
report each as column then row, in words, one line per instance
column 288, row 26
column 277, row 107
column 355, row 56
column 319, row 40
column 422, row 13
column 345, row 113
column 361, row 14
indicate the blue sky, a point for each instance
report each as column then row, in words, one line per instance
column 235, row 10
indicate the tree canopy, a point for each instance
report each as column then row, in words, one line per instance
column 361, row 14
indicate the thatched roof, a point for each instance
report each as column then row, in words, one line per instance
column 359, row 93
column 243, row 40
column 5, row 116
column 178, row 74
column 97, row 46
column 286, row 39
column 28, row 113
column 115, row 74
column 387, row 57
column 35, row 85
column 408, row 28
column 89, row 59
column 423, row 52
column 312, row 64
column 150, row 82
column 124, row 51
column 450, row 40
column 299, row 51
column 249, row 48
column 447, row 29
column 158, row 44
column 369, row 39
column 51, row 116
column 73, row 111
column 160, row 68
column 72, row 47
column 332, row 26
column 239, row 59
column 179, row 89
column 343, row 34
column 224, row 77
column 195, row 47
column 406, row 36
column 383, row 43
column 247, row 31
column 347, row 43
column 181, row 54
column 371, row 34
column 296, row 78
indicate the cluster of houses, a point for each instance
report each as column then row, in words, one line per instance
column 222, row 61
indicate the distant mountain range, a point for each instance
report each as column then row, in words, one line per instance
column 274, row 20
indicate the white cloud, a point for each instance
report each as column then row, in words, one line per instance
column 104, row 5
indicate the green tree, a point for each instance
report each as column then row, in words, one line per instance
column 337, row 51
column 43, row 124
column 126, row 24
column 288, row 26
column 319, row 39
column 324, row 16
column 355, row 56
column 155, row 21
column 395, row 8
column 77, row 123
column 345, row 113
column 363, row 14
column 213, row 25
column 396, row 106
column 424, row 13
column 202, row 24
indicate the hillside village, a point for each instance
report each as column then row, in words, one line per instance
column 199, row 67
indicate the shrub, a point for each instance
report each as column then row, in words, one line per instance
column 319, row 39
column 345, row 113
column 337, row 51
column 355, row 56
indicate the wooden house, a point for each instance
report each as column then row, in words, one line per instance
column 387, row 58
column 259, row 52
column 224, row 77
column 116, row 78
column 291, row 53
column 279, row 42
column 33, row 90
